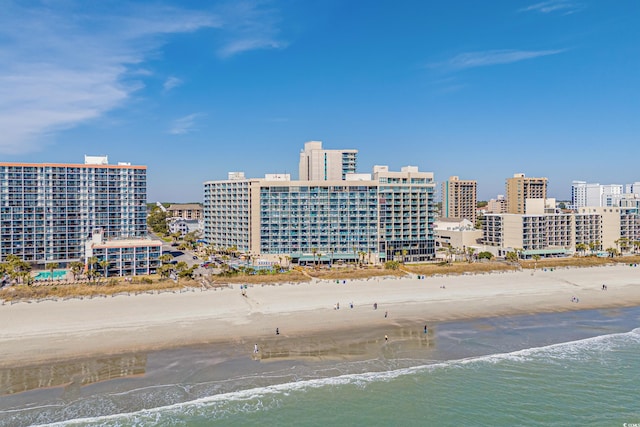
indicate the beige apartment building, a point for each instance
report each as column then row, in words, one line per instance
column 188, row 211
column 497, row 205
column 520, row 188
column 459, row 199
column 317, row 164
column 547, row 232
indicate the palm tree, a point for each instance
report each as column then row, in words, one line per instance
column 18, row 268
column 105, row 267
column 470, row 252
column 581, row 247
column 91, row 263
column 536, row 258
column 76, row 268
column 51, row 267
column 314, row 251
column 405, row 252
column 451, row 251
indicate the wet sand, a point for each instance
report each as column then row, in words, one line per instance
column 305, row 314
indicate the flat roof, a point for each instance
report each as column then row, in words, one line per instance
column 128, row 243
column 71, row 165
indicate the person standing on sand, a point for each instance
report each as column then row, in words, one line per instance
column 425, row 329
column 386, row 338
column 386, row 313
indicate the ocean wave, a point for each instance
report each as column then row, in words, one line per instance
column 260, row 398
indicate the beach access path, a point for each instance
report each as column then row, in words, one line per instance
column 54, row 330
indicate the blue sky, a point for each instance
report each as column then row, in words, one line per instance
column 193, row 89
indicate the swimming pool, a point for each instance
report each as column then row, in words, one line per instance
column 46, row 275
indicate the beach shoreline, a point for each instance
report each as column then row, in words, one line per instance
column 304, row 314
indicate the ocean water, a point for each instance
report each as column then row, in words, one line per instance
column 564, row 369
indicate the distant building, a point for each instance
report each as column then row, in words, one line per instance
column 317, row 164
column 184, row 226
column 519, row 188
column 127, row 257
column 497, row 205
column 188, row 211
column 459, row 199
column 545, row 231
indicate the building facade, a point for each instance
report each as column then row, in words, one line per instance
column 388, row 215
column 519, row 188
column 48, row 211
column 317, row 164
column 460, row 199
column 126, row 257
column 188, row 211
column 556, row 233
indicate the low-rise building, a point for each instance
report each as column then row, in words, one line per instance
column 127, row 257
column 459, row 234
column 188, row 211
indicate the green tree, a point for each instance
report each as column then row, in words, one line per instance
column 470, row 252
column 51, row 266
column 92, row 273
column 76, row 268
column 105, row 267
column 157, row 221
column 485, row 255
column 536, row 258
column 581, row 247
column 512, row 256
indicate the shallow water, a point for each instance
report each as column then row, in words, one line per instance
column 576, row 368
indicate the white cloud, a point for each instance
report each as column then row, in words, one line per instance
column 184, row 124
column 249, row 25
column 66, row 64
column 564, row 6
column 171, row 83
column 492, row 57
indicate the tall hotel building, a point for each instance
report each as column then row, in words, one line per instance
column 519, row 188
column 48, row 211
column 377, row 216
column 459, row 199
column 317, row 164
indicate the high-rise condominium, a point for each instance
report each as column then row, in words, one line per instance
column 520, row 188
column 49, row 210
column 459, row 199
column 317, row 164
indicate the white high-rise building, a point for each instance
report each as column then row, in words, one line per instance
column 49, row 210
column 317, row 164
column 585, row 194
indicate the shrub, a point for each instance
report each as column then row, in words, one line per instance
column 391, row 265
column 485, row 255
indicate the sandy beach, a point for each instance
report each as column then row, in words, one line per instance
column 55, row 330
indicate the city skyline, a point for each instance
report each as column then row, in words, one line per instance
column 548, row 89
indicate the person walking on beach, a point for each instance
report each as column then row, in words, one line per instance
column 386, row 338
column 255, row 348
column 277, row 331
column 386, row 313
column 425, row 329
